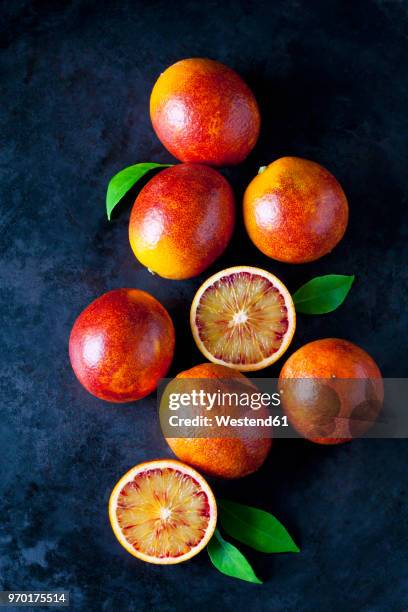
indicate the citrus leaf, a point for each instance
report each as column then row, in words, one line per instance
column 255, row 528
column 322, row 294
column 229, row 560
column 124, row 180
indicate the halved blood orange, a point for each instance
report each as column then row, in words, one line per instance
column 243, row 317
column 163, row 512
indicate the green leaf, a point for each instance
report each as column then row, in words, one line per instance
column 124, row 180
column 229, row 560
column 322, row 294
column 254, row 527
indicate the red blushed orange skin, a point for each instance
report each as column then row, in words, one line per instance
column 203, row 112
column 339, row 365
column 229, row 458
column 295, row 211
column 121, row 345
column 182, row 220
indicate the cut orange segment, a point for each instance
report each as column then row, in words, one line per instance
column 163, row 512
column 243, row 317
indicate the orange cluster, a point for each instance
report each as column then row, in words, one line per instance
column 294, row 211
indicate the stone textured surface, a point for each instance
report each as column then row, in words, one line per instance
column 331, row 81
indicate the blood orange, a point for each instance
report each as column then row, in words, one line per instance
column 231, row 457
column 332, row 390
column 243, row 317
column 163, row 512
column 121, row 345
column 182, row 221
column 295, row 210
column 203, row 112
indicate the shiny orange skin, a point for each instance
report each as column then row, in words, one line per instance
column 182, row 220
column 343, row 367
column 220, row 457
column 203, row 112
column 295, row 211
column 121, row 345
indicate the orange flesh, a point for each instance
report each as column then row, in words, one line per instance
column 163, row 512
column 242, row 318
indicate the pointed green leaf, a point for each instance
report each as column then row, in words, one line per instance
column 229, row 560
column 254, row 527
column 124, row 180
column 322, row 294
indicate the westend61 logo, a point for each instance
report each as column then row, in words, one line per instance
column 323, row 409
column 219, row 407
column 223, row 406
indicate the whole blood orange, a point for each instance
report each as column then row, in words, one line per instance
column 121, row 345
column 221, row 457
column 163, row 512
column 202, row 111
column 243, row 317
column 182, row 220
column 295, row 210
column 331, row 390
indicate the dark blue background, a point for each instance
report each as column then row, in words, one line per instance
column 331, row 80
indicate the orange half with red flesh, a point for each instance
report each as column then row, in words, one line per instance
column 163, row 512
column 243, row 317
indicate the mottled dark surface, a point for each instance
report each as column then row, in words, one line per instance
column 75, row 81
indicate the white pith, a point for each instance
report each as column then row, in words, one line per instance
column 238, row 318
